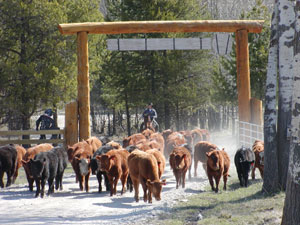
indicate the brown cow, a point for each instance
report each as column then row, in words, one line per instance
column 205, row 134
column 188, row 137
column 180, row 161
column 200, row 154
column 114, row 145
column 173, row 140
column 72, row 149
column 143, row 169
column 161, row 160
column 159, row 139
column 114, row 163
column 95, row 143
column 218, row 163
column 30, row 153
column 147, row 133
column 166, row 134
column 133, row 139
column 258, row 149
column 20, row 156
column 81, row 164
column 197, row 135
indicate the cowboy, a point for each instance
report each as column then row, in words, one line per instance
column 45, row 122
column 151, row 112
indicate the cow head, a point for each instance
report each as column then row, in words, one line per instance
column 213, row 159
column 155, row 187
column 105, row 162
column 37, row 167
column 94, row 165
column 70, row 152
column 126, row 142
column 26, row 166
column 147, row 133
column 179, row 161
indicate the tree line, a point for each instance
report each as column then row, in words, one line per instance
column 38, row 65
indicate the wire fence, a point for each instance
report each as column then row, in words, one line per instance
column 248, row 133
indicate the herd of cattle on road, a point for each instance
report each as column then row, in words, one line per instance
column 140, row 159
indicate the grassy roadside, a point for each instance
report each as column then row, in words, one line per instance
column 235, row 206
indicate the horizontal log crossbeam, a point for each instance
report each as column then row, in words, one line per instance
column 252, row 26
column 9, row 137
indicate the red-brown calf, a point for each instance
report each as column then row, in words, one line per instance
column 218, row 163
column 258, row 149
column 114, row 163
column 180, row 162
column 200, row 154
column 143, row 170
column 30, row 153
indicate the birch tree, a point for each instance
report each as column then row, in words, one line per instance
column 271, row 160
column 286, row 18
column 292, row 199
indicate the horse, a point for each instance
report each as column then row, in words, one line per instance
column 147, row 124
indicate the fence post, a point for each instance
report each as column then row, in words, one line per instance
column 256, row 111
column 71, row 123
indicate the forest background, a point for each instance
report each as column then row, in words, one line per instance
column 188, row 88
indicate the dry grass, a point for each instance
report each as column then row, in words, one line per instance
column 235, row 206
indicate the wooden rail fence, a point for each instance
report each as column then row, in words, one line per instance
column 15, row 137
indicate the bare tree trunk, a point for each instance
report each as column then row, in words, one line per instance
column 285, row 32
column 177, row 117
column 292, row 199
column 128, row 116
column 108, row 124
column 271, row 179
column 114, row 122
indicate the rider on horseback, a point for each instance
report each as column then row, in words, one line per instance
column 151, row 112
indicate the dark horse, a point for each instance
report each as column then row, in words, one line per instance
column 147, row 124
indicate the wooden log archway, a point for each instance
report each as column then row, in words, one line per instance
column 240, row 27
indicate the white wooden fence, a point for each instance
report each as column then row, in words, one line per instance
column 248, row 133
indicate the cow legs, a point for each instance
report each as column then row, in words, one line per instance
column 253, row 173
column 38, row 187
column 99, row 178
column 111, row 182
column 8, row 183
column 183, row 179
column 43, row 182
column 136, row 189
column 51, row 186
column 211, row 182
column 177, row 176
column 86, row 182
column 149, row 196
column 80, row 180
column 225, row 181
column 217, row 179
column 195, row 167
column 129, row 183
column 124, row 180
column 15, row 176
column 143, row 183
column 106, row 181
column 1, row 179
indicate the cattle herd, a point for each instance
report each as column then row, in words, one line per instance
column 139, row 159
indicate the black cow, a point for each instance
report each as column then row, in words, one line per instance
column 8, row 161
column 244, row 161
column 44, row 168
column 62, row 165
column 95, row 168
